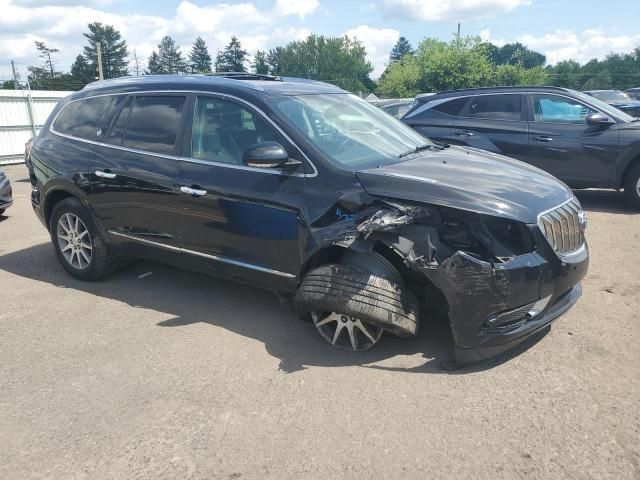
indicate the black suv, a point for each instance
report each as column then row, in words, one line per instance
column 306, row 190
column 583, row 141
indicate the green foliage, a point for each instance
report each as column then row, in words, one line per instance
column 168, row 58
column 400, row 50
column 82, row 71
column 232, row 58
column 8, row 85
column 516, row 54
column 511, row 75
column 45, row 53
column 113, row 50
column 260, row 64
column 338, row 60
column 199, row 57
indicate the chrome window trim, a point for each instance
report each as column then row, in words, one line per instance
column 189, row 159
column 204, row 255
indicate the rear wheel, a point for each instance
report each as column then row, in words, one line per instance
column 632, row 187
column 81, row 250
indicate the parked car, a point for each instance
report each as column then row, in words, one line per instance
column 396, row 109
column 27, row 149
column 581, row 140
column 306, row 190
column 634, row 93
column 6, row 195
column 616, row 98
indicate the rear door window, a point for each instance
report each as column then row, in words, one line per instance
column 496, row 107
column 116, row 135
column 87, row 118
column 154, row 124
column 453, row 107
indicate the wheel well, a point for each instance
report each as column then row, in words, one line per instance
column 632, row 165
column 52, row 200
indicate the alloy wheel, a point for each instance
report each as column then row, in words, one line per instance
column 74, row 241
column 345, row 331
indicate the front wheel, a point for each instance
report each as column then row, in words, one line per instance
column 632, row 187
column 77, row 242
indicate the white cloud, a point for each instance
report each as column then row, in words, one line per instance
column 301, row 8
column 436, row 10
column 378, row 43
column 579, row 46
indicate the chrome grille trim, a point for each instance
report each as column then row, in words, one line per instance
column 561, row 227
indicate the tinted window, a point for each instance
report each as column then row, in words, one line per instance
column 555, row 109
column 154, row 124
column 223, row 130
column 452, row 107
column 88, row 118
column 116, row 135
column 496, row 107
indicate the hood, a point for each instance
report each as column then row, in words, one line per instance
column 469, row 179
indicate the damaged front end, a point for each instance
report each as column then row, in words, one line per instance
column 499, row 280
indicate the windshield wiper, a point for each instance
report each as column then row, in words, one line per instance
column 419, row 148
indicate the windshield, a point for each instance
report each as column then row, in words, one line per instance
column 612, row 96
column 605, row 107
column 350, row 131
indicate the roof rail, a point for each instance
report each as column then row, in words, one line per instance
column 510, row 87
column 245, row 76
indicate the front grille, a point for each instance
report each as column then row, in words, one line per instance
column 562, row 227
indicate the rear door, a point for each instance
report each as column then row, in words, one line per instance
column 493, row 122
column 561, row 142
column 134, row 191
column 240, row 219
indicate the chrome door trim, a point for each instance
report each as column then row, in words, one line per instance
column 188, row 159
column 204, row 255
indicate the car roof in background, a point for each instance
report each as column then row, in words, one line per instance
column 250, row 83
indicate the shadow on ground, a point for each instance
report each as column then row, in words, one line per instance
column 194, row 298
column 607, row 201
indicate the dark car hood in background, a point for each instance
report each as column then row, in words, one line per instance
column 469, row 179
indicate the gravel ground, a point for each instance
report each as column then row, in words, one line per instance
column 179, row 375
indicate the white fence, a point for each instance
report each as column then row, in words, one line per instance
column 22, row 114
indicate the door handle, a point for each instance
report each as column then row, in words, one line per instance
column 105, row 174
column 196, row 192
column 543, row 139
column 464, row 133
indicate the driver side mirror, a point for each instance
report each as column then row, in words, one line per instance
column 599, row 119
column 266, row 155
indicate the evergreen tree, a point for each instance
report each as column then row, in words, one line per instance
column 199, row 57
column 260, row 64
column 45, row 53
column 232, row 58
column 169, row 56
column 401, row 48
column 113, row 50
column 273, row 60
column 81, row 71
column 154, row 67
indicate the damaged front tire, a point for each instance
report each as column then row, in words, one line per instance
column 369, row 304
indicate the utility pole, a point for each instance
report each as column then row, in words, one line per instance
column 99, row 52
column 458, row 37
column 135, row 59
column 15, row 77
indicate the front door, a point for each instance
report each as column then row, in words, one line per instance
column 235, row 217
column 562, row 143
column 134, row 190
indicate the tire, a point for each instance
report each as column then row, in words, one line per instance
column 632, row 187
column 356, row 293
column 101, row 259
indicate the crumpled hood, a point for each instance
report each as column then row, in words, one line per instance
column 469, row 179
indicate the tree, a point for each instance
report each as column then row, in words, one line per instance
column 566, row 74
column 516, row 54
column 232, row 58
column 338, row 60
column 113, row 50
column 513, row 75
column 168, row 59
column 199, row 57
column 401, row 48
column 81, row 71
column 154, row 67
column 8, row 85
column 45, row 53
column 260, row 64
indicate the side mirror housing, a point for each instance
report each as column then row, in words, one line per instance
column 266, row 155
column 598, row 119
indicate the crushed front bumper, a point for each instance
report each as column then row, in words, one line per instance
column 478, row 292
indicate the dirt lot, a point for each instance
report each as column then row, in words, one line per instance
column 179, row 375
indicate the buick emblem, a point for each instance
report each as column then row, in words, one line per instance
column 582, row 219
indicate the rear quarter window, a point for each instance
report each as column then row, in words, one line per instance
column 86, row 118
column 453, row 107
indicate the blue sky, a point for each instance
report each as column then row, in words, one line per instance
column 562, row 29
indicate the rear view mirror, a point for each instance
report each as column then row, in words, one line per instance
column 265, row 155
column 598, row 119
